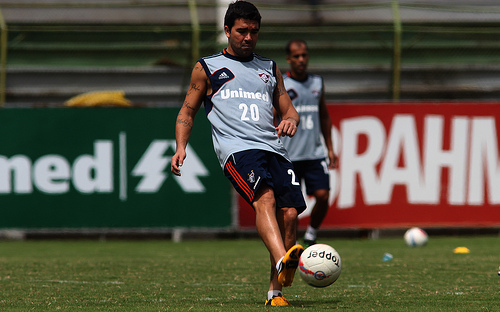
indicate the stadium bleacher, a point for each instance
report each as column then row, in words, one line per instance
column 55, row 50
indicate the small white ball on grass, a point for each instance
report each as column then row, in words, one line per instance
column 416, row 237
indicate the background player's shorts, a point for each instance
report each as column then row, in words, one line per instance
column 314, row 173
column 248, row 170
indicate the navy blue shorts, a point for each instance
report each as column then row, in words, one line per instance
column 313, row 173
column 248, row 170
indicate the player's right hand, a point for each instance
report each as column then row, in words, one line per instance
column 177, row 162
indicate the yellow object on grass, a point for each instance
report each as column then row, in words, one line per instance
column 461, row 250
column 99, row 98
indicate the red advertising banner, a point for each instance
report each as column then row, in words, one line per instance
column 411, row 164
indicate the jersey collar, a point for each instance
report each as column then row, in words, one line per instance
column 237, row 58
column 289, row 74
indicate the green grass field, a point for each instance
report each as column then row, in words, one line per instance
column 232, row 275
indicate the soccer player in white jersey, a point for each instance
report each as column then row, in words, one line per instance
column 311, row 158
column 239, row 90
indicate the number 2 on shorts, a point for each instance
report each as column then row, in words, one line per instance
column 294, row 181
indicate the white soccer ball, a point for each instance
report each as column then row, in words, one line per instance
column 320, row 265
column 416, row 237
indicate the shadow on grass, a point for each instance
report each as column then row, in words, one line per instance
column 316, row 303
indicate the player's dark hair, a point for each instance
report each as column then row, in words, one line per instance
column 241, row 9
column 289, row 44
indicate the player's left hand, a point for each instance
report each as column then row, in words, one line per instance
column 287, row 127
column 334, row 160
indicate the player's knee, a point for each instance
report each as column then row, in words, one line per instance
column 321, row 195
column 290, row 214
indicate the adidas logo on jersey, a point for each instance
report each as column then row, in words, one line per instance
column 223, row 75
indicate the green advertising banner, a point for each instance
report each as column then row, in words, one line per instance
column 106, row 168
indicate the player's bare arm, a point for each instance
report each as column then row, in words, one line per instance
column 326, row 130
column 284, row 107
column 187, row 113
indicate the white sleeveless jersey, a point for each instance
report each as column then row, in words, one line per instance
column 307, row 143
column 240, row 107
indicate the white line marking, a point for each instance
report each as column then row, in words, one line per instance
column 123, row 166
column 78, row 282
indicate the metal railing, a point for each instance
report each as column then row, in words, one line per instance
column 3, row 58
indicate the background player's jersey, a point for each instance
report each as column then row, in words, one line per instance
column 307, row 143
column 240, row 107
